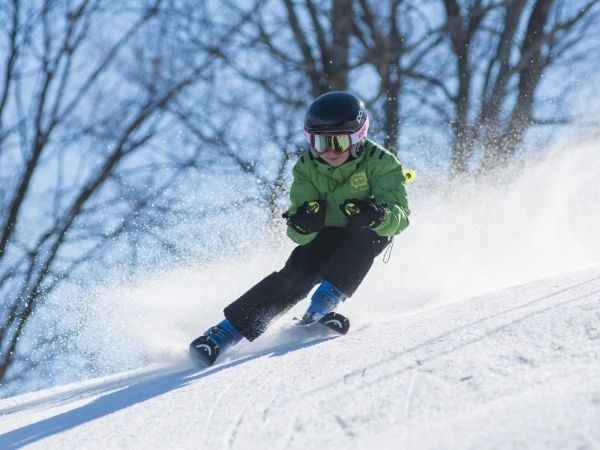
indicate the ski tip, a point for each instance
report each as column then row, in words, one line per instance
column 203, row 352
column 336, row 322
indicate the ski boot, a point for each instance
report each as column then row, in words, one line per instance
column 206, row 348
column 324, row 301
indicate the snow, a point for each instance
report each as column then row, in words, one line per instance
column 483, row 331
column 515, row 368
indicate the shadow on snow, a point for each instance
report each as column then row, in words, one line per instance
column 128, row 396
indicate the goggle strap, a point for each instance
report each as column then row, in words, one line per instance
column 355, row 138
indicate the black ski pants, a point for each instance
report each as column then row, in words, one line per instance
column 342, row 256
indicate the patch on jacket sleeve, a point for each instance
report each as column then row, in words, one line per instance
column 359, row 180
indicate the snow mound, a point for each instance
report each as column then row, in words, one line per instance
column 517, row 368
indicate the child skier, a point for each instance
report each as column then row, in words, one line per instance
column 347, row 201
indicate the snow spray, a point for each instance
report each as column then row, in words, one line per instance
column 536, row 221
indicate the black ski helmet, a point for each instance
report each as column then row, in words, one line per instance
column 337, row 112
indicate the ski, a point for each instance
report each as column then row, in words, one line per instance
column 336, row 322
column 203, row 351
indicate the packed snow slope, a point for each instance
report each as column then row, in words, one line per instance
column 482, row 331
column 515, row 368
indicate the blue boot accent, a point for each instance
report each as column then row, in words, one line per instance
column 224, row 334
column 325, row 299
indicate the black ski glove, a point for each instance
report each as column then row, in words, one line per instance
column 309, row 218
column 363, row 213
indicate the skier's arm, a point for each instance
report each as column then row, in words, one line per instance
column 302, row 190
column 388, row 188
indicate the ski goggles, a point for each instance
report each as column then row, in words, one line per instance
column 336, row 142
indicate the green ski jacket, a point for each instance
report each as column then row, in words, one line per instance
column 376, row 174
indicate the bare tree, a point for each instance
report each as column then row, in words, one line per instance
column 312, row 47
column 99, row 122
column 476, row 67
column 325, row 51
column 256, row 132
column 79, row 114
column 394, row 38
column 326, row 41
column 501, row 52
